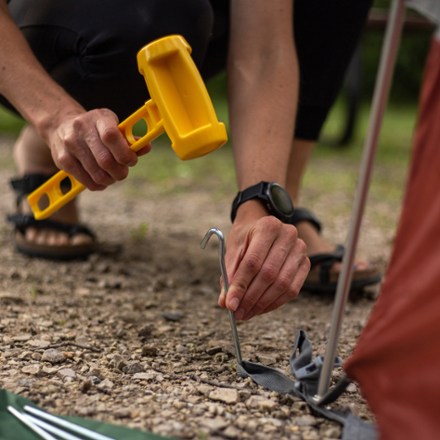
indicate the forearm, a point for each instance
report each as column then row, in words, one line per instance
column 25, row 83
column 263, row 93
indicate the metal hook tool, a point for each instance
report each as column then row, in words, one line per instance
column 221, row 253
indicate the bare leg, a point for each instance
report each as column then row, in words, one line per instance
column 31, row 155
column 299, row 158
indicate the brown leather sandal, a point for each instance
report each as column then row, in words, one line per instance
column 321, row 278
column 24, row 186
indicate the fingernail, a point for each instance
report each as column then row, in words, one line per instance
column 233, row 304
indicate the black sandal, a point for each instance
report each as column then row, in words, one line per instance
column 24, row 186
column 321, row 278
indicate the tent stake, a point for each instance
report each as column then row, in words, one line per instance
column 380, row 98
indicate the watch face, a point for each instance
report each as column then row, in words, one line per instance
column 280, row 199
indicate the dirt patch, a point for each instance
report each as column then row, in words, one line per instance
column 134, row 336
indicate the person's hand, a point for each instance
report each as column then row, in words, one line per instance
column 90, row 147
column 267, row 265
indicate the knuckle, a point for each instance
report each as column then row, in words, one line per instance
column 291, row 233
column 240, row 288
column 252, row 263
column 105, row 159
column 102, row 178
column 77, row 125
column 109, row 134
column 268, row 273
column 283, row 284
column 293, row 292
column 64, row 160
column 302, row 247
column 271, row 224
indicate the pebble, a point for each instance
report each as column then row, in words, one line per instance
column 133, row 368
column 53, row 356
column 352, row 388
column 232, row 432
column 261, row 403
column 204, row 389
column 22, row 338
column 306, row 420
column 38, row 343
column 225, row 395
column 66, row 373
column 33, row 369
column 173, row 316
column 106, row 385
column 332, row 432
column 149, row 350
column 216, row 424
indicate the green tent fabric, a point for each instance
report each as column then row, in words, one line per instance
column 13, row 429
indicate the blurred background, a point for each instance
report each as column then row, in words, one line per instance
column 345, row 129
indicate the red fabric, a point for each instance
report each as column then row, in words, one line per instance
column 397, row 359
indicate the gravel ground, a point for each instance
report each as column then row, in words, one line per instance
column 133, row 335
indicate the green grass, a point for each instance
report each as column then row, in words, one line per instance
column 10, row 123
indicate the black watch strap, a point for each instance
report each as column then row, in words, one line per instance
column 260, row 192
column 253, row 192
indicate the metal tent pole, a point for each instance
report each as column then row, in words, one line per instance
column 380, row 98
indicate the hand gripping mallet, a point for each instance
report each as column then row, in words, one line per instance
column 179, row 106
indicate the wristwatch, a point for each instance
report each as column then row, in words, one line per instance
column 273, row 197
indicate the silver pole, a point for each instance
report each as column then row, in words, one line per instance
column 380, row 98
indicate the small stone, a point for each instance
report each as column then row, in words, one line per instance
column 133, row 368
column 149, row 350
column 332, row 432
column 38, row 343
column 118, row 362
column 306, row 421
column 53, row 356
column 86, row 385
column 122, row 413
column 310, row 435
column 146, row 331
column 33, row 369
column 67, row 373
column 232, row 432
column 352, row 388
column 144, row 376
column 22, row 338
column 225, row 395
column 261, row 403
column 106, row 385
column 174, row 316
column 216, row 424
column 204, row 389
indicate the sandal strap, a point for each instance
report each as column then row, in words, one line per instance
column 24, row 221
column 304, row 215
column 26, row 184
column 326, row 261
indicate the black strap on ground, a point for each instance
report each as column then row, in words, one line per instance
column 306, row 372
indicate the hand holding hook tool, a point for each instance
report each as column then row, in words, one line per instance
column 221, row 253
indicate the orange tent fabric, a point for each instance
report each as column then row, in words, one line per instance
column 397, row 359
